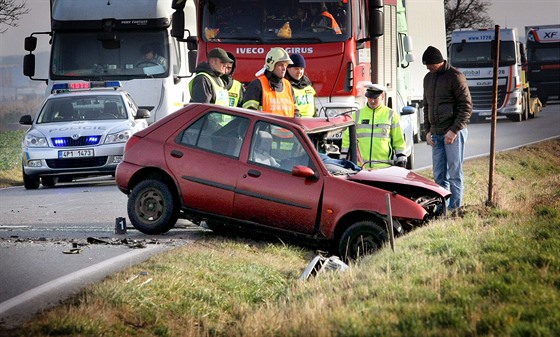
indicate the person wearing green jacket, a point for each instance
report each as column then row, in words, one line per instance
column 378, row 131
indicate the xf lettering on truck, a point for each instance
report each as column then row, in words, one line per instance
column 262, row 51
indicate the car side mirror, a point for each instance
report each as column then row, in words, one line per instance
column 303, row 171
column 408, row 110
column 26, row 120
column 142, row 114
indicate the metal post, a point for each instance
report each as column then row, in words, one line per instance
column 496, row 55
column 390, row 230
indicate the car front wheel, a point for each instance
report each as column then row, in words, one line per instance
column 30, row 182
column 152, row 208
column 361, row 238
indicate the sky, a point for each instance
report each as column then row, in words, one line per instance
column 506, row 13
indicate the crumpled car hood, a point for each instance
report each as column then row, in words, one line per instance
column 398, row 176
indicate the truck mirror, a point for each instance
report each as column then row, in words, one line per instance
column 410, row 58
column 375, row 18
column 192, row 55
column 29, row 65
column 408, row 46
column 192, row 42
column 30, row 43
column 178, row 24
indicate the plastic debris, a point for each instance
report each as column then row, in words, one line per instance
column 321, row 264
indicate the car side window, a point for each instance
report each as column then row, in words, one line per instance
column 277, row 147
column 216, row 132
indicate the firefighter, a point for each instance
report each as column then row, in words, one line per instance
column 270, row 91
column 303, row 88
column 378, row 131
column 207, row 86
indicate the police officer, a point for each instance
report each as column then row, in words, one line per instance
column 270, row 91
column 303, row 88
column 207, row 86
column 378, row 130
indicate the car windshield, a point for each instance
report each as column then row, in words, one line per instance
column 267, row 21
column 119, row 55
column 82, row 108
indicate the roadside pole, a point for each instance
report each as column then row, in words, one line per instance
column 496, row 56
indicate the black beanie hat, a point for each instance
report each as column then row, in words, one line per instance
column 432, row 55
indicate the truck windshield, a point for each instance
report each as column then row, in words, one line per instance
column 543, row 53
column 251, row 21
column 122, row 55
column 478, row 54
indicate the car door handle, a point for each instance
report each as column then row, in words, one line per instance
column 176, row 154
column 254, row 173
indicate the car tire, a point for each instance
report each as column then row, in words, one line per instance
column 361, row 238
column 49, row 181
column 30, row 182
column 152, row 208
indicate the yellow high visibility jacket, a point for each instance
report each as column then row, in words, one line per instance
column 305, row 101
column 379, row 134
column 219, row 89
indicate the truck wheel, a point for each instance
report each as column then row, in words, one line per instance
column 152, row 208
column 525, row 107
column 49, row 181
column 30, row 182
column 361, row 238
column 515, row 117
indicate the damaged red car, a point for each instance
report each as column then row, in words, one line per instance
column 238, row 169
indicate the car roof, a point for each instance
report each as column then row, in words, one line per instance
column 87, row 93
column 309, row 125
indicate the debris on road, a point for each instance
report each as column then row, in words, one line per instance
column 321, row 264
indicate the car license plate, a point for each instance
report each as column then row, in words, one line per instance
column 75, row 153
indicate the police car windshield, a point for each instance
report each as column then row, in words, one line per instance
column 82, row 108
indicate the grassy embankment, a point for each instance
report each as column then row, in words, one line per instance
column 494, row 272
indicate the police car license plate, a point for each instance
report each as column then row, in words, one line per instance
column 75, row 153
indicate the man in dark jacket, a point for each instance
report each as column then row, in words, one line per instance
column 207, row 86
column 447, row 108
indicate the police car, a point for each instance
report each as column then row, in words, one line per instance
column 80, row 131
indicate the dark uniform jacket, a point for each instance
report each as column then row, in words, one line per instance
column 447, row 101
column 202, row 90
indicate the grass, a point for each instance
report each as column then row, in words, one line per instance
column 10, row 158
column 494, row 272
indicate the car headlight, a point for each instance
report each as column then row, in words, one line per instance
column 35, row 141
column 119, row 137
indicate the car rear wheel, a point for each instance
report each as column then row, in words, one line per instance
column 49, row 181
column 152, row 209
column 361, row 238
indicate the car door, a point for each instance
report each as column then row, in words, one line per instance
column 267, row 193
column 204, row 158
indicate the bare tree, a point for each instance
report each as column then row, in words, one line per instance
column 10, row 11
column 466, row 14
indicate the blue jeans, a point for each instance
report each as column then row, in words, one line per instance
column 447, row 161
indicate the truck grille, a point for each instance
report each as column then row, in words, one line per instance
column 77, row 162
column 82, row 141
column 482, row 97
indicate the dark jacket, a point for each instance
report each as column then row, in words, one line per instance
column 447, row 101
column 202, row 90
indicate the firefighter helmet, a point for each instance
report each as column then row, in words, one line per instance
column 276, row 55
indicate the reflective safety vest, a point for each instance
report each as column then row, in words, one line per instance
column 219, row 90
column 379, row 134
column 334, row 24
column 279, row 103
column 233, row 93
column 305, row 101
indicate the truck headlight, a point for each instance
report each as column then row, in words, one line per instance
column 35, row 141
column 119, row 137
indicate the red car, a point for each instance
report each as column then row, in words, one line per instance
column 236, row 168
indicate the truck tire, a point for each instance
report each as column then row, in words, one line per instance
column 152, row 207
column 515, row 117
column 361, row 238
column 525, row 107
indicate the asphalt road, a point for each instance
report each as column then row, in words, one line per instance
column 38, row 226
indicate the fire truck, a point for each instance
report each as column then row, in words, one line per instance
column 366, row 48
column 543, row 61
column 106, row 40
